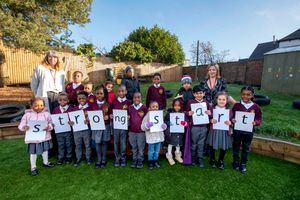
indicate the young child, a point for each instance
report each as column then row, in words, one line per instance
column 153, row 139
column 84, row 135
column 198, row 132
column 74, row 87
column 65, row 139
column 131, row 83
column 121, row 103
column 219, row 139
column 157, row 93
column 88, row 88
column 102, row 137
column 137, row 138
column 242, row 137
column 186, row 91
column 38, row 112
column 174, row 139
column 109, row 87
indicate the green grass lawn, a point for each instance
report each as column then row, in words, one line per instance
column 280, row 119
column 267, row 178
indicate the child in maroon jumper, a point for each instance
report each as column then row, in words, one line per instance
column 120, row 135
column 88, row 87
column 109, row 87
column 157, row 93
column 74, row 87
column 64, row 140
column 137, row 138
column 102, row 137
column 242, row 137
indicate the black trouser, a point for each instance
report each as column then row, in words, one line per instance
column 52, row 99
column 244, row 139
column 212, row 152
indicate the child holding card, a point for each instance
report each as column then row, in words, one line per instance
column 153, row 139
column 74, row 87
column 88, row 88
column 198, row 131
column 64, row 139
column 157, row 93
column 175, row 139
column 121, row 103
column 244, row 138
column 37, row 147
column 84, row 135
column 102, row 137
column 137, row 138
column 219, row 138
column 109, row 85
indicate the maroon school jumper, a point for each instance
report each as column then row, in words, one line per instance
column 188, row 108
column 254, row 109
column 157, row 94
column 136, row 118
column 92, row 99
column 116, row 104
column 57, row 110
column 106, row 109
column 72, row 93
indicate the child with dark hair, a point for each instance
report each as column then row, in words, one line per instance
column 131, row 83
column 157, row 93
column 243, row 138
column 88, row 87
column 109, row 85
column 74, row 87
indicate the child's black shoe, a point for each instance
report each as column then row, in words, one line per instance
column 60, row 162
column 98, row 165
column 212, row 163
column 88, row 161
column 48, row 165
column 103, row 164
column 156, row 164
column 123, row 163
column 117, row 163
column 77, row 163
column 221, row 165
column 139, row 164
column 235, row 165
column 201, row 163
column 150, row 164
column 243, row 168
column 68, row 160
column 34, row 172
column 133, row 164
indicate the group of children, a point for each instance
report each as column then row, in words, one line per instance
column 80, row 96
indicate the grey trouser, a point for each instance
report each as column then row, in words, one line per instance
column 137, row 142
column 84, row 135
column 198, row 141
column 65, row 144
column 120, row 144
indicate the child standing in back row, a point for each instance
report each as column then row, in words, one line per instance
column 38, row 112
column 157, row 93
column 186, row 92
column 74, row 87
column 88, row 88
column 131, row 83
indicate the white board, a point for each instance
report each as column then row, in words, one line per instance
column 78, row 118
column 96, row 120
column 244, row 121
column 221, row 115
column 60, row 122
column 157, row 118
column 36, row 130
column 199, row 116
column 175, row 119
column 120, row 119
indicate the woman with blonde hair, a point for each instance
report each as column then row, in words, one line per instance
column 48, row 79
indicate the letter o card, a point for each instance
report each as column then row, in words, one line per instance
column 175, row 119
column 244, row 121
column 199, row 116
column 221, row 115
column 120, row 119
column 78, row 118
column 96, row 120
column 60, row 122
column 157, row 118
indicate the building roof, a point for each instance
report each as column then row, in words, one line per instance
column 293, row 36
column 284, row 50
column 262, row 48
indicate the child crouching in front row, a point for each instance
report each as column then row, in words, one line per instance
column 153, row 139
column 38, row 112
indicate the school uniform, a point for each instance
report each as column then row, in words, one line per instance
column 132, row 85
column 92, row 99
column 102, row 137
column 84, row 135
column 242, row 137
column 175, row 139
column 120, row 135
column 157, row 93
column 64, row 139
column 72, row 89
column 137, row 138
column 198, row 133
column 186, row 95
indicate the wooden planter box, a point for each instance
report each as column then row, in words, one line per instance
column 264, row 146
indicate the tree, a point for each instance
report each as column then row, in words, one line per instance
column 163, row 46
column 207, row 53
column 36, row 25
column 86, row 49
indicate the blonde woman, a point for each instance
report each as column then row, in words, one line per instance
column 214, row 83
column 48, row 79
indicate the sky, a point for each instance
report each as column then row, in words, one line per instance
column 234, row 25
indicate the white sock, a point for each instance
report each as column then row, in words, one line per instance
column 33, row 158
column 170, row 149
column 177, row 149
column 45, row 157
